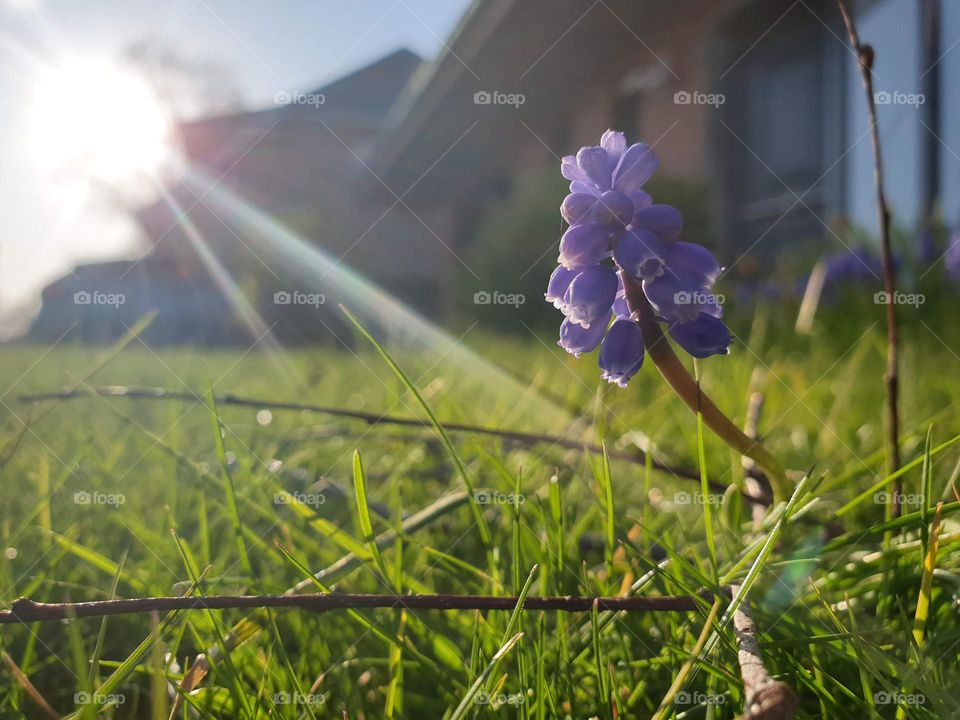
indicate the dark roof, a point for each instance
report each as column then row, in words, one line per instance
column 361, row 99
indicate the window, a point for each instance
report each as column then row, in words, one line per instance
column 782, row 125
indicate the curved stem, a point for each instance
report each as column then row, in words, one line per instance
column 677, row 376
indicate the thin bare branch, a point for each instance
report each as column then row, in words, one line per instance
column 635, row 456
column 866, row 55
column 25, row 610
column 764, row 697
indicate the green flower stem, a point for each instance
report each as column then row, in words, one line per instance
column 660, row 351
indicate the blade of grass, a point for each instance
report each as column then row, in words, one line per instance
column 462, row 709
column 444, row 437
column 606, row 486
column 233, row 512
column 705, row 485
column 363, row 512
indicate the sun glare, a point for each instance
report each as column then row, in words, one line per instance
column 93, row 120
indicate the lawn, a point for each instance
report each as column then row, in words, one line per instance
column 127, row 497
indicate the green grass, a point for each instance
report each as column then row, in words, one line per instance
column 835, row 595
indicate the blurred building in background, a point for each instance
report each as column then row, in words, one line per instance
column 440, row 181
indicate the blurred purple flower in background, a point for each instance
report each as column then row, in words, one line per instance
column 610, row 215
column 951, row 259
column 856, row 264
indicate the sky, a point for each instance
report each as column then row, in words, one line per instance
column 256, row 49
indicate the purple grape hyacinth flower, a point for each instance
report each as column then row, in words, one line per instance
column 951, row 259
column 611, row 216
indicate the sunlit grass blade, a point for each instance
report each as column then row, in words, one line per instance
column 462, row 710
column 444, row 437
column 606, row 487
column 234, row 513
column 705, row 492
column 363, row 512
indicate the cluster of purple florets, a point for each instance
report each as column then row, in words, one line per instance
column 611, row 216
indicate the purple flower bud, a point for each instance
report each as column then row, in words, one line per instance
column 664, row 221
column 597, row 165
column 640, row 200
column 577, row 206
column 615, row 143
column 572, row 171
column 695, row 260
column 576, row 340
column 637, row 165
column 640, row 254
column 590, row 295
column 620, row 307
column 702, row 337
column 584, row 245
column 621, row 354
column 559, row 282
column 613, row 210
column 678, row 296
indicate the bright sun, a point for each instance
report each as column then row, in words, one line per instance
column 93, row 120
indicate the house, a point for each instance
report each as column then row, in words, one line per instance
column 402, row 170
column 758, row 103
column 296, row 162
